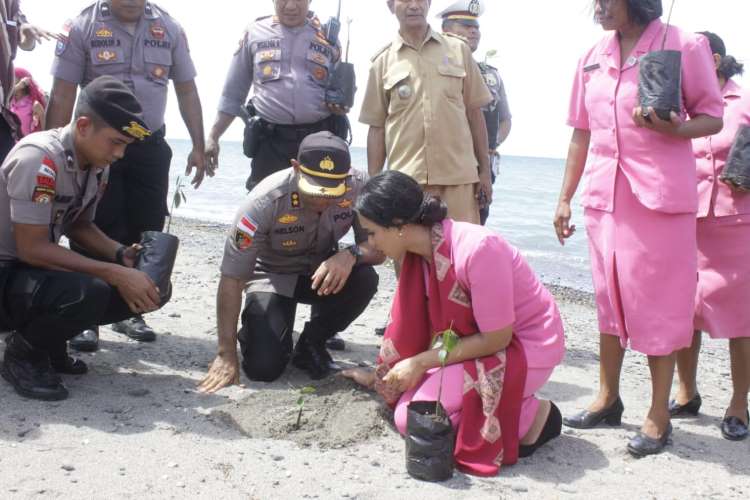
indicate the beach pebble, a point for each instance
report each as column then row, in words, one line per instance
column 277, row 458
column 139, row 393
column 567, row 489
column 68, row 468
column 172, row 465
column 175, row 315
column 519, row 488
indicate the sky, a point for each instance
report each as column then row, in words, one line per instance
column 538, row 43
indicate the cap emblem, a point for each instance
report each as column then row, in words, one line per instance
column 327, row 164
column 136, row 130
column 474, row 7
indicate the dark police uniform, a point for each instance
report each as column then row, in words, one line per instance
column 42, row 184
column 157, row 51
column 11, row 18
column 276, row 246
column 288, row 69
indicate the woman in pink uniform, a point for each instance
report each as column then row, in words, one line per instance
column 28, row 103
column 722, row 307
column 465, row 277
column 640, row 202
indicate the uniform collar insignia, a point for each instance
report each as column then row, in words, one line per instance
column 104, row 9
column 295, row 200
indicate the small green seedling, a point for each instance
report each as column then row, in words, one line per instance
column 447, row 340
column 178, row 199
column 490, row 54
column 305, row 391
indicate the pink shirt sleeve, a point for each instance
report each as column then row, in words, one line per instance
column 578, row 115
column 489, row 273
column 700, row 86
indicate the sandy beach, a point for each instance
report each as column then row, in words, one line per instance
column 135, row 427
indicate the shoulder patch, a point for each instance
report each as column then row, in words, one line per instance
column 381, row 51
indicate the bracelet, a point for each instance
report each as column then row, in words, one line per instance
column 120, row 255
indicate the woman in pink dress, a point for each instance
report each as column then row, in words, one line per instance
column 723, row 257
column 640, row 202
column 464, row 277
column 28, row 103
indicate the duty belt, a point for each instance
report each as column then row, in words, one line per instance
column 296, row 132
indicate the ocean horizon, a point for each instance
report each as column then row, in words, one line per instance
column 525, row 199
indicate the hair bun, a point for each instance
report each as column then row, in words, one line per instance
column 729, row 67
column 432, row 211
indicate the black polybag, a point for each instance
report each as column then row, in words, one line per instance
column 157, row 259
column 430, row 441
column 737, row 169
column 660, row 82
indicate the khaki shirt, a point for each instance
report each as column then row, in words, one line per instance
column 421, row 95
column 97, row 44
column 41, row 183
column 274, row 240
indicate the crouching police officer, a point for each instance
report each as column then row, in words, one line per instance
column 285, row 244
column 287, row 60
column 50, row 185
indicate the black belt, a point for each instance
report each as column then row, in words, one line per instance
column 156, row 136
column 296, row 132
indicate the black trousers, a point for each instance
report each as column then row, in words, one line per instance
column 268, row 321
column 7, row 141
column 136, row 196
column 47, row 308
column 279, row 145
column 484, row 213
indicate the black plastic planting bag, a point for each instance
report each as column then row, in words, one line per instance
column 737, row 169
column 429, row 442
column 157, row 260
column 660, row 82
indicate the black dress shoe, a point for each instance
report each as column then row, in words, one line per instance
column 86, row 341
column 69, row 365
column 590, row 419
column 734, row 429
column 136, row 329
column 30, row 373
column 313, row 358
column 691, row 408
column 641, row 445
column 336, row 343
column 551, row 430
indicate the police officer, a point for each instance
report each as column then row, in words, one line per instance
column 139, row 43
column 285, row 245
column 461, row 18
column 287, row 60
column 50, row 185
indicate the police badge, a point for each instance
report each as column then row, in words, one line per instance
column 474, row 8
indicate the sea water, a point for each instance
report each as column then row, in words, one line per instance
column 525, row 199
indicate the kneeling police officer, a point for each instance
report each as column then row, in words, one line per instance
column 284, row 248
column 50, row 185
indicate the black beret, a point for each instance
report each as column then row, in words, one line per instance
column 116, row 104
column 324, row 165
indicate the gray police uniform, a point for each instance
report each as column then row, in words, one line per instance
column 42, row 184
column 276, row 245
column 498, row 110
column 96, row 44
column 288, row 70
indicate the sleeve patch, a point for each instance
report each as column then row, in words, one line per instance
column 43, row 195
column 244, row 232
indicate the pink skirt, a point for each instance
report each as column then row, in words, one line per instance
column 644, row 271
column 721, row 303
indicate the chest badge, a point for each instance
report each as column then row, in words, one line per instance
column 491, row 80
column 288, row 219
column 267, row 55
column 289, row 244
column 104, row 32
column 106, row 55
column 319, row 74
column 158, row 31
column 267, row 70
column 404, row 91
column 159, row 72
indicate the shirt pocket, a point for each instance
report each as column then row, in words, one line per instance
column 452, row 81
column 267, row 65
column 399, row 87
column 158, row 64
column 318, row 66
column 290, row 241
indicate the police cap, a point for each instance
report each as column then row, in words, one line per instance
column 116, row 104
column 465, row 12
column 324, row 165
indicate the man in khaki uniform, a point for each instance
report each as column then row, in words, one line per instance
column 423, row 104
column 284, row 250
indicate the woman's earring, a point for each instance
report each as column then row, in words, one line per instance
column 400, row 234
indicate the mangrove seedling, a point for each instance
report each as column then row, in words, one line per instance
column 447, row 340
column 490, row 54
column 178, row 199
column 305, row 391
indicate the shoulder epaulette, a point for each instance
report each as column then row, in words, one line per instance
column 380, row 52
column 457, row 37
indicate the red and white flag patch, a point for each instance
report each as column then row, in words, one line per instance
column 245, row 232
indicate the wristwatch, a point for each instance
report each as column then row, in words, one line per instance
column 356, row 253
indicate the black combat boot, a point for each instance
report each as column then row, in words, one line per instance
column 312, row 357
column 30, row 372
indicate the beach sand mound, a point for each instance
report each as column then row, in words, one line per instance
column 337, row 415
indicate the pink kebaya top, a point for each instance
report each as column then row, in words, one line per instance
column 660, row 168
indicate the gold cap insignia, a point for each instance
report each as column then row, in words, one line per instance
column 136, row 130
column 288, row 219
column 474, row 7
column 327, row 164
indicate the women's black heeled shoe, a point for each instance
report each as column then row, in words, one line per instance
column 734, row 429
column 641, row 445
column 551, row 430
column 590, row 419
column 691, row 408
